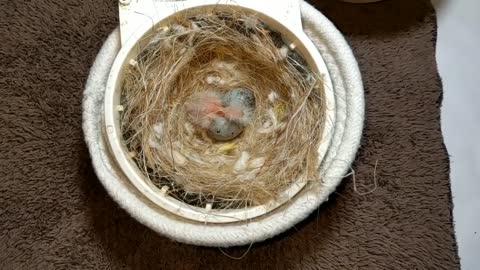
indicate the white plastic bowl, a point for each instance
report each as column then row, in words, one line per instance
column 160, row 197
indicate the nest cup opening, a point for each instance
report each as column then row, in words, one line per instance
column 167, row 92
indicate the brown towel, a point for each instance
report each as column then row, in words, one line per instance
column 54, row 214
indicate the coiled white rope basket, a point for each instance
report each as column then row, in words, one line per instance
column 349, row 113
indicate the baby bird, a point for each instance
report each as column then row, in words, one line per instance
column 204, row 107
column 224, row 116
column 242, row 99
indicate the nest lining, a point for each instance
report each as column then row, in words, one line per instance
column 219, row 52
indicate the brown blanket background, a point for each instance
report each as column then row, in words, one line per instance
column 54, row 213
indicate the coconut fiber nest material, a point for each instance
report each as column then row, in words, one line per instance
column 172, row 109
column 55, row 214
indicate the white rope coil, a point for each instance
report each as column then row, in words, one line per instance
column 349, row 112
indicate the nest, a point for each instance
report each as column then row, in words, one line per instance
column 219, row 52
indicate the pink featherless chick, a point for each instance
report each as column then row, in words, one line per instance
column 223, row 116
column 206, row 106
